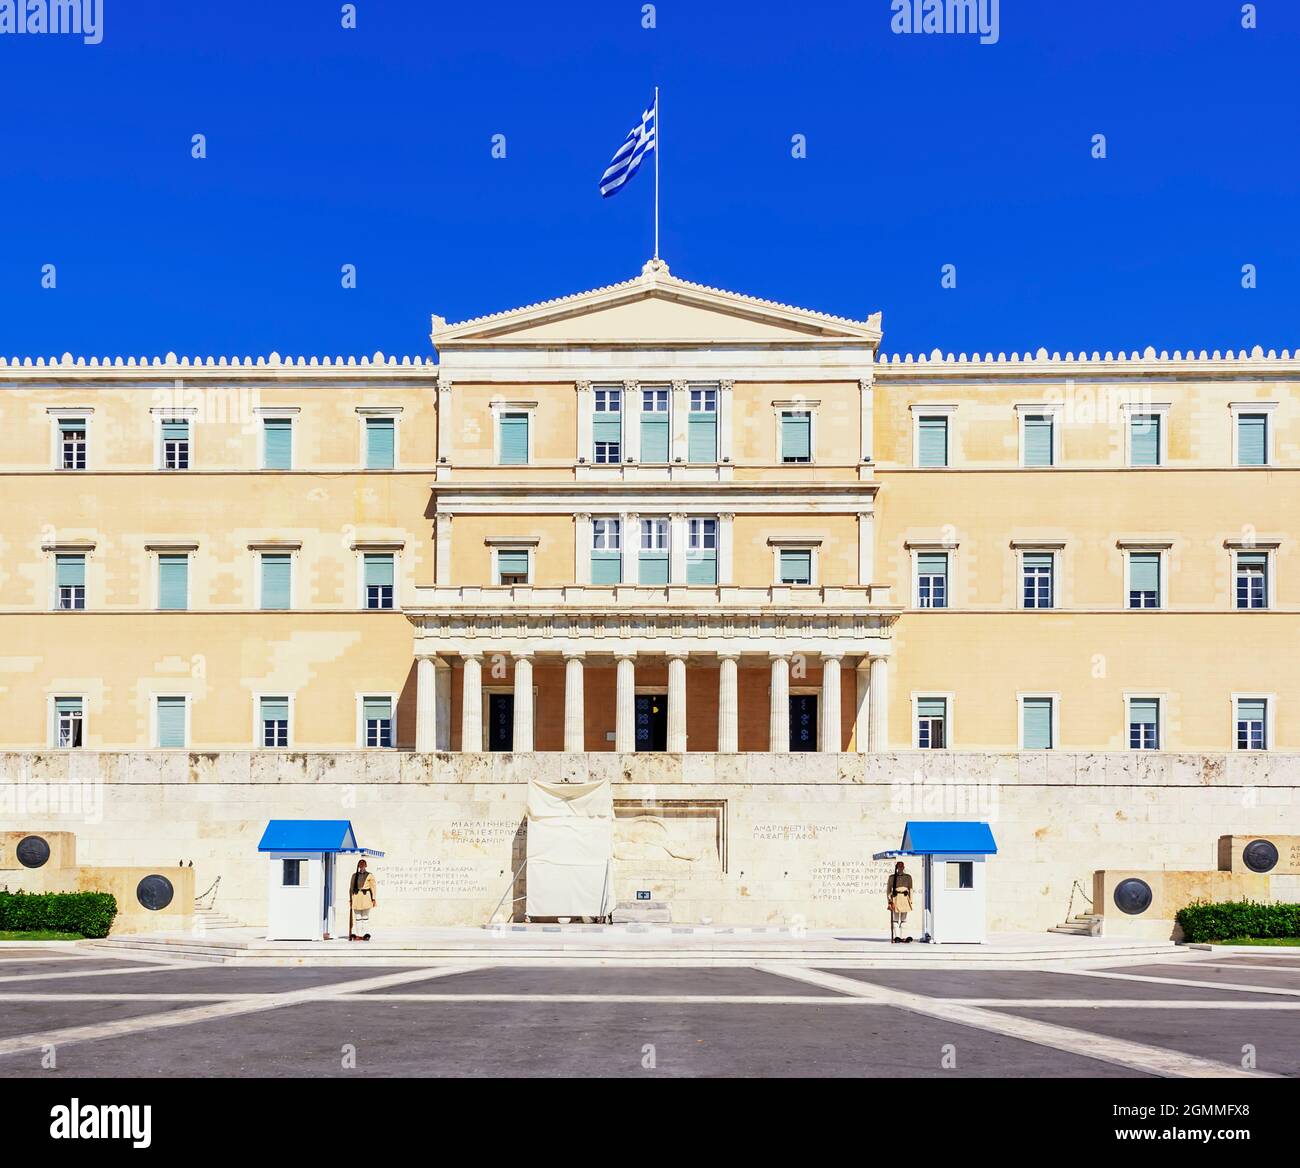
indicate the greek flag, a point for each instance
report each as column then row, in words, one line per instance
column 627, row 158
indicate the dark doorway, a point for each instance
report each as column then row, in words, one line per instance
column 501, row 721
column 651, row 721
column 803, row 722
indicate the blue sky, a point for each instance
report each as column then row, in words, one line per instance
column 373, row 146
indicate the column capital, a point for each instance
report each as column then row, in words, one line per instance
column 574, row 654
column 681, row 386
column 677, row 654
column 631, row 385
column 727, row 384
column 582, row 386
column 420, row 655
column 624, row 654
column 471, row 655
column 728, row 655
column 521, row 654
column 780, row 656
column 833, row 655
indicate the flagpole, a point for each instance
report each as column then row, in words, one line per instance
column 657, row 141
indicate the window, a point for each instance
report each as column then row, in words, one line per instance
column 796, row 436
column 1144, row 723
column 378, row 567
column 932, row 580
column 70, row 580
column 931, row 723
column 512, row 566
column 1252, row 723
column 69, row 723
column 1252, row 579
column 702, row 426
column 277, row 580
column 1144, row 439
column 291, row 873
column 606, row 551
column 513, row 438
column 377, row 721
column 1036, row 715
column 171, row 718
column 72, row 443
column 701, row 551
column 795, row 565
column 175, row 444
column 1144, row 579
column 381, row 443
column 607, row 427
column 273, row 721
column 1036, row 568
column 1038, row 439
column 932, row 440
column 652, row 563
column 654, row 425
column 1252, row 439
column 959, row 875
column 174, row 581
column 277, row 442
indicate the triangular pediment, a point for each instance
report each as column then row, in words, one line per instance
column 655, row 309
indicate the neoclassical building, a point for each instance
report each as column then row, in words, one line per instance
column 656, row 516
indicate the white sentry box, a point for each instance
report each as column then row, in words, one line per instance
column 302, row 856
column 954, row 857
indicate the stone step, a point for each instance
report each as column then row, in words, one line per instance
column 645, row 912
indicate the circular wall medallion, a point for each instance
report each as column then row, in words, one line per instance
column 154, row 892
column 1260, row 855
column 32, row 851
column 1133, row 896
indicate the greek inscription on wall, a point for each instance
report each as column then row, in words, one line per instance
column 841, row 879
column 433, row 877
column 794, row 831
column 480, row 832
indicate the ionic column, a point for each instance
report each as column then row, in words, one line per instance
column 676, row 703
column 575, row 708
column 862, row 711
column 878, row 739
column 829, row 739
column 625, row 704
column 728, row 704
column 779, row 719
column 425, row 705
column 471, row 704
column 441, row 704
column 523, row 713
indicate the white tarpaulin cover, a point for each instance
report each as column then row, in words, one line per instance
column 570, row 849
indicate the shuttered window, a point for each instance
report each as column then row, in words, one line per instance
column 796, row 436
column 796, row 566
column 173, row 582
column 377, row 718
column 702, row 426
column 932, row 441
column 931, row 723
column 1038, row 439
column 1037, row 569
column 1252, row 439
column 276, row 581
column 379, row 580
column 70, row 580
column 607, row 426
column 652, row 559
column 1144, row 580
column 654, row 425
column 606, row 551
column 175, row 444
column 932, row 580
column 1037, row 714
column 72, row 443
column 381, row 443
column 514, row 439
column 171, row 722
column 277, row 443
column 701, row 551
column 512, row 566
column 1144, row 439
column 1252, row 724
column 1144, row 723
column 1252, row 580
column 69, row 723
column 273, row 719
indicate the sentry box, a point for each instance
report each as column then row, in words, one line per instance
column 952, row 858
column 300, row 883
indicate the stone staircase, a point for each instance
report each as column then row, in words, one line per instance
column 1080, row 925
column 207, row 920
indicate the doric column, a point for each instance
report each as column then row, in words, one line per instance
column 425, row 705
column 728, row 704
column 471, row 704
column 779, row 718
column 575, row 708
column 625, row 703
column 676, row 703
column 523, row 712
column 441, row 704
column 862, row 710
column 879, row 733
column 829, row 739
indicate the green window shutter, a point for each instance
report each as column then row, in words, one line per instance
column 932, row 442
column 67, row 705
column 175, row 430
column 702, row 567
column 173, row 582
column 1038, row 440
column 70, row 571
column 1251, row 709
column 654, row 437
column 1252, row 560
column 514, row 439
column 652, row 568
column 275, row 709
column 1144, row 711
column 931, row 707
column 278, row 436
column 171, row 722
column 932, row 564
column 796, row 437
column 1038, row 559
column 379, row 569
column 276, row 572
column 1144, row 430
column 1252, row 439
column 376, row 708
column 608, row 427
column 512, row 563
column 606, row 567
column 381, row 443
column 796, row 566
column 702, row 437
column 1038, row 723
column 1144, row 572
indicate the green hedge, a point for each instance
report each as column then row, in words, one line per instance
column 1238, row 918
column 88, row 913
